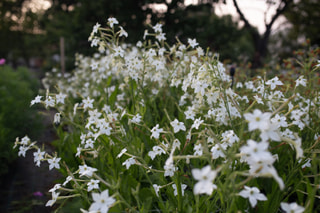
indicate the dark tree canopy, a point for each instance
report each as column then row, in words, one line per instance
column 304, row 17
column 28, row 33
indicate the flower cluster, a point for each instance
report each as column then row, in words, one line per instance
column 159, row 127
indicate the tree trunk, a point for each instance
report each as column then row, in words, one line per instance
column 261, row 41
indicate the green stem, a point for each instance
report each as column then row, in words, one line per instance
column 178, row 185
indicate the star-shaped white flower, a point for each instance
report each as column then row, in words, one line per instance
column 86, row 170
column 301, row 81
column 274, row 82
column 156, row 132
column 129, row 162
column 54, row 163
column 192, row 42
column 93, row 184
column 101, row 202
column 38, row 156
column 112, row 21
column 177, row 126
column 253, row 194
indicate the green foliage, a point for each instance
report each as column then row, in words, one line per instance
column 17, row 89
column 303, row 15
column 145, row 120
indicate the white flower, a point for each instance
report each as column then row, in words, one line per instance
column 49, row 101
column 89, row 143
column 101, row 202
column 198, row 150
column 60, row 98
column 55, row 187
column 87, row 103
column 189, row 113
column 86, row 170
column 176, row 144
column 306, row 164
column 204, row 176
column 258, row 99
column 192, row 42
column 145, row 35
column 197, row 123
column 156, row 150
column 175, row 192
column 200, row 86
column 177, row 126
column 156, row 132
column 292, row 207
column 68, row 179
column 37, row 99
column 95, row 28
column 274, row 82
column 169, row 169
column 23, row 150
column 25, row 140
column 217, row 151
column 122, row 152
column 280, row 121
column 229, row 137
column 38, row 156
column 123, row 32
column 157, row 28
column 129, row 162
column 54, row 163
column 200, row 51
column 253, row 194
column 118, row 51
column 93, row 184
column 57, row 118
column 112, row 21
column 53, row 200
column 79, row 149
column 256, row 151
column 136, row 118
column 94, row 43
column 161, row 37
column 95, row 64
column 270, row 133
column 301, row 81
column 258, row 120
column 156, row 189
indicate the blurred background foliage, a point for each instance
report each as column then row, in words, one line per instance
column 17, row 88
column 30, row 29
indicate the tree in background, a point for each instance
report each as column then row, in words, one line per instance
column 199, row 21
column 20, row 35
column 10, row 35
column 260, row 42
column 30, row 33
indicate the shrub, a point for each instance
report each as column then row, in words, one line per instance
column 17, row 88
